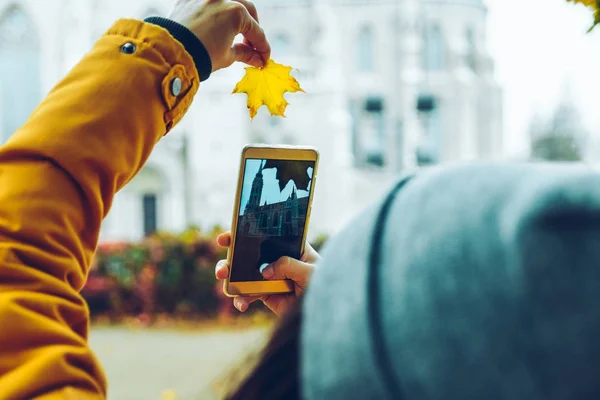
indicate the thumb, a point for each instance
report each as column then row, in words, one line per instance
column 289, row 268
column 246, row 54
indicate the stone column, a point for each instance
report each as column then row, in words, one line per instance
column 408, row 82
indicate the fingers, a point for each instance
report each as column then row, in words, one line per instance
column 242, row 303
column 250, row 7
column 253, row 13
column 222, row 270
column 279, row 303
column 253, row 33
column 289, row 268
column 224, row 239
column 246, row 54
column 310, row 255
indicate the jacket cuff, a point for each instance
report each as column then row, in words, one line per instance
column 190, row 41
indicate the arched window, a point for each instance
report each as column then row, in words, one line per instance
column 276, row 219
column 263, row 221
column 20, row 82
column 435, row 49
column 150, row 212
column 365, row 50
column 280, row 45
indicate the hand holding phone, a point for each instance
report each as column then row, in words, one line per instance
column 298, row 271
column 270, row 220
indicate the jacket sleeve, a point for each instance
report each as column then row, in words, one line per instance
column 58, row 176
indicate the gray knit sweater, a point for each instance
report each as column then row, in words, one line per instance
column 474, row 282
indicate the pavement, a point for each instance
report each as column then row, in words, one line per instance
column 148, row 364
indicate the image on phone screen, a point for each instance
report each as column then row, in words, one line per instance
column 272, row 215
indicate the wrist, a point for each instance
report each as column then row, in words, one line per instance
column 190, row 42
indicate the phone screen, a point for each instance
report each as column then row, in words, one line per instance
column 272, row 214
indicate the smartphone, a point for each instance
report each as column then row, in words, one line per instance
column 271, row 215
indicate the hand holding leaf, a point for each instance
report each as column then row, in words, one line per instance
column 266, row 86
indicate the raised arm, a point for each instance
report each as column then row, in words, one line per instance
column 60, row 171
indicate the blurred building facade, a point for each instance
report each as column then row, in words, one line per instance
column 390, row 85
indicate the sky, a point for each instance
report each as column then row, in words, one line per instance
column 270, row 191
column 542, row 51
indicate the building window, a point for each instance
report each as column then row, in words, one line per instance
column 369, row 132
column 263, row 221
column 365, row 50
column 471, row 53
column 429, row 149
column 373, row 129
column 280, row 45
column 150, row 214
column 435, row 49
column 20, row 82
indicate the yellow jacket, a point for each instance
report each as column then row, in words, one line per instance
column 58, row 176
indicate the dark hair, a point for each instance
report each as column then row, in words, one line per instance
column 277, row 373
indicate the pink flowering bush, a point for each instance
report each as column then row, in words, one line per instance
column 164, row 274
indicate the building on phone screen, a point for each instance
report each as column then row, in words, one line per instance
column 285, row 218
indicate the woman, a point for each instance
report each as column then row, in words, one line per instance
column 474, row 282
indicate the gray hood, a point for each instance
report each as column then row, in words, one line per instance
column 479, row 282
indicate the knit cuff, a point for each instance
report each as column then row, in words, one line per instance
column 192, row 44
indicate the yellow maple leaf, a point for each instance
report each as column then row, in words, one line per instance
column 594, row 5
column 168, row 395
column 266, row 86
